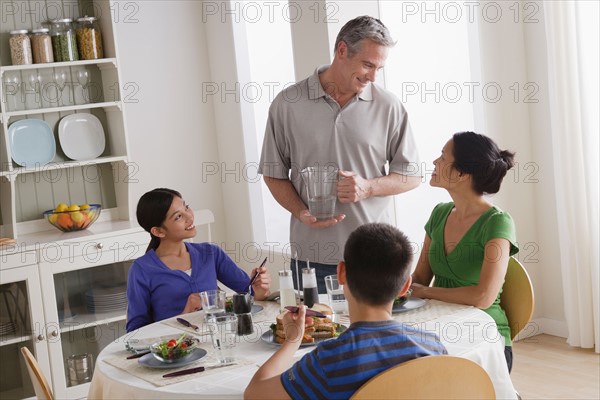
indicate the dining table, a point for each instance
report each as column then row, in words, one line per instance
column 465, row 331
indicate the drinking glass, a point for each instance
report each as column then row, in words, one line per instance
column 223, row 332
column 335, row 292
column 213, row 302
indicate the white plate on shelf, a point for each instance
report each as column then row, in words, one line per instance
column 81, row 136
column 31, row 142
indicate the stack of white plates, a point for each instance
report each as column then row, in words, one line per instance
column 106, row 299
column 6, row 328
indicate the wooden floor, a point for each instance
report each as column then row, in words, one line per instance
column 546, row 367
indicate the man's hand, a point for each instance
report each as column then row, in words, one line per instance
column 352, row 188
column 308, row 219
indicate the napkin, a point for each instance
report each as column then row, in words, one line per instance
column 155, row 375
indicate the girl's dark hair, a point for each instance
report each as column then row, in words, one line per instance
column 152, row 211
column 478, row 156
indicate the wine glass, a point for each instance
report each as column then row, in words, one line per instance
column 60, row 77
column 83, row 77
column 11, row 88
column 35, row 81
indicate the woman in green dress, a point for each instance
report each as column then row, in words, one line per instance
column 468, row 241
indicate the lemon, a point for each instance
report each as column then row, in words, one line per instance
column 85, row 208
column 62, row 207
column 73, row 207
column 77, row 217
column 52, row 218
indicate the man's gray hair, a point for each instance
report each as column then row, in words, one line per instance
column 365, row 27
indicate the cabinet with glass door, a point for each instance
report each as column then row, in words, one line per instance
column 84, row 295
column 21, row 323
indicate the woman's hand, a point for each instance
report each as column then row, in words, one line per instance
column 419, row 290
column 262, row 283
column 193, row 303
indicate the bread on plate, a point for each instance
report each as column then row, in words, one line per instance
column 314, row 327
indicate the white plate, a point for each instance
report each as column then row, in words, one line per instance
column 256, row 308
column 150, row 361
column 31, row 142
column 81, row 136
column 411, row 304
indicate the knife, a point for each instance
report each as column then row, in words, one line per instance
column 309, row 312
column 138, row 355
column 194, row 370
column 188, row 324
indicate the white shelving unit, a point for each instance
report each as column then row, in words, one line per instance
column 49, row 271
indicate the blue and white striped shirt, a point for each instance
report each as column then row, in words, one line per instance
column 338, row 367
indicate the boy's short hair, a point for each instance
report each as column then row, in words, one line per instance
column 377, row 258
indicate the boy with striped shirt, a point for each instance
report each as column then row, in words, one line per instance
column 375, row 270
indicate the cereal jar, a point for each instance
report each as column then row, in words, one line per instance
column 89, row 38
column 41, row 46
column 63, row 40
column 20, row 47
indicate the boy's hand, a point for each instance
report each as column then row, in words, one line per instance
column 293, row 324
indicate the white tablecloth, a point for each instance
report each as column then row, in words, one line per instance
column 465, row 331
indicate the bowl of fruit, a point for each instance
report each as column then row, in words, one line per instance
column 74, row 217
column 174, row 350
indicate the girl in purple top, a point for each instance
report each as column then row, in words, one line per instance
column 166, row 280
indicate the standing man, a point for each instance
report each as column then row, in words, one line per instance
column 339, row 117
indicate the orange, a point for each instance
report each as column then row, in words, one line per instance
column 64, row 221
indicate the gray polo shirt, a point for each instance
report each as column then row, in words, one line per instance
column 306, row 127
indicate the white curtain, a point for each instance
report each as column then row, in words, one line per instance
column 572, row 37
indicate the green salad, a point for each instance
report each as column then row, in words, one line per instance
column 175, row 349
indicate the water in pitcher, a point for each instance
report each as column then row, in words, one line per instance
column 322, row 207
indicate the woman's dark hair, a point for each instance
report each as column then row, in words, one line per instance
column 377, row 258
column 478, row 156
column 152, row 211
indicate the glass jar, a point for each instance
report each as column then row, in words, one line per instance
column 20, row 47
column 287, row 294
column 41, row 46
column 309, row 285
column 63, row 40
column 89, row 38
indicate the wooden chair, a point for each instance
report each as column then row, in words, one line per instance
column 517, row 299
column 43, row 391
column 433, row 377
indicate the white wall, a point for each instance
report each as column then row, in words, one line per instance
column 175, row 134
column 170, row 127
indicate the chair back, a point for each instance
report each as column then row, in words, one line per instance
column 517, row 298
column 205, row 218
column 433, row 377
column 43, row 391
